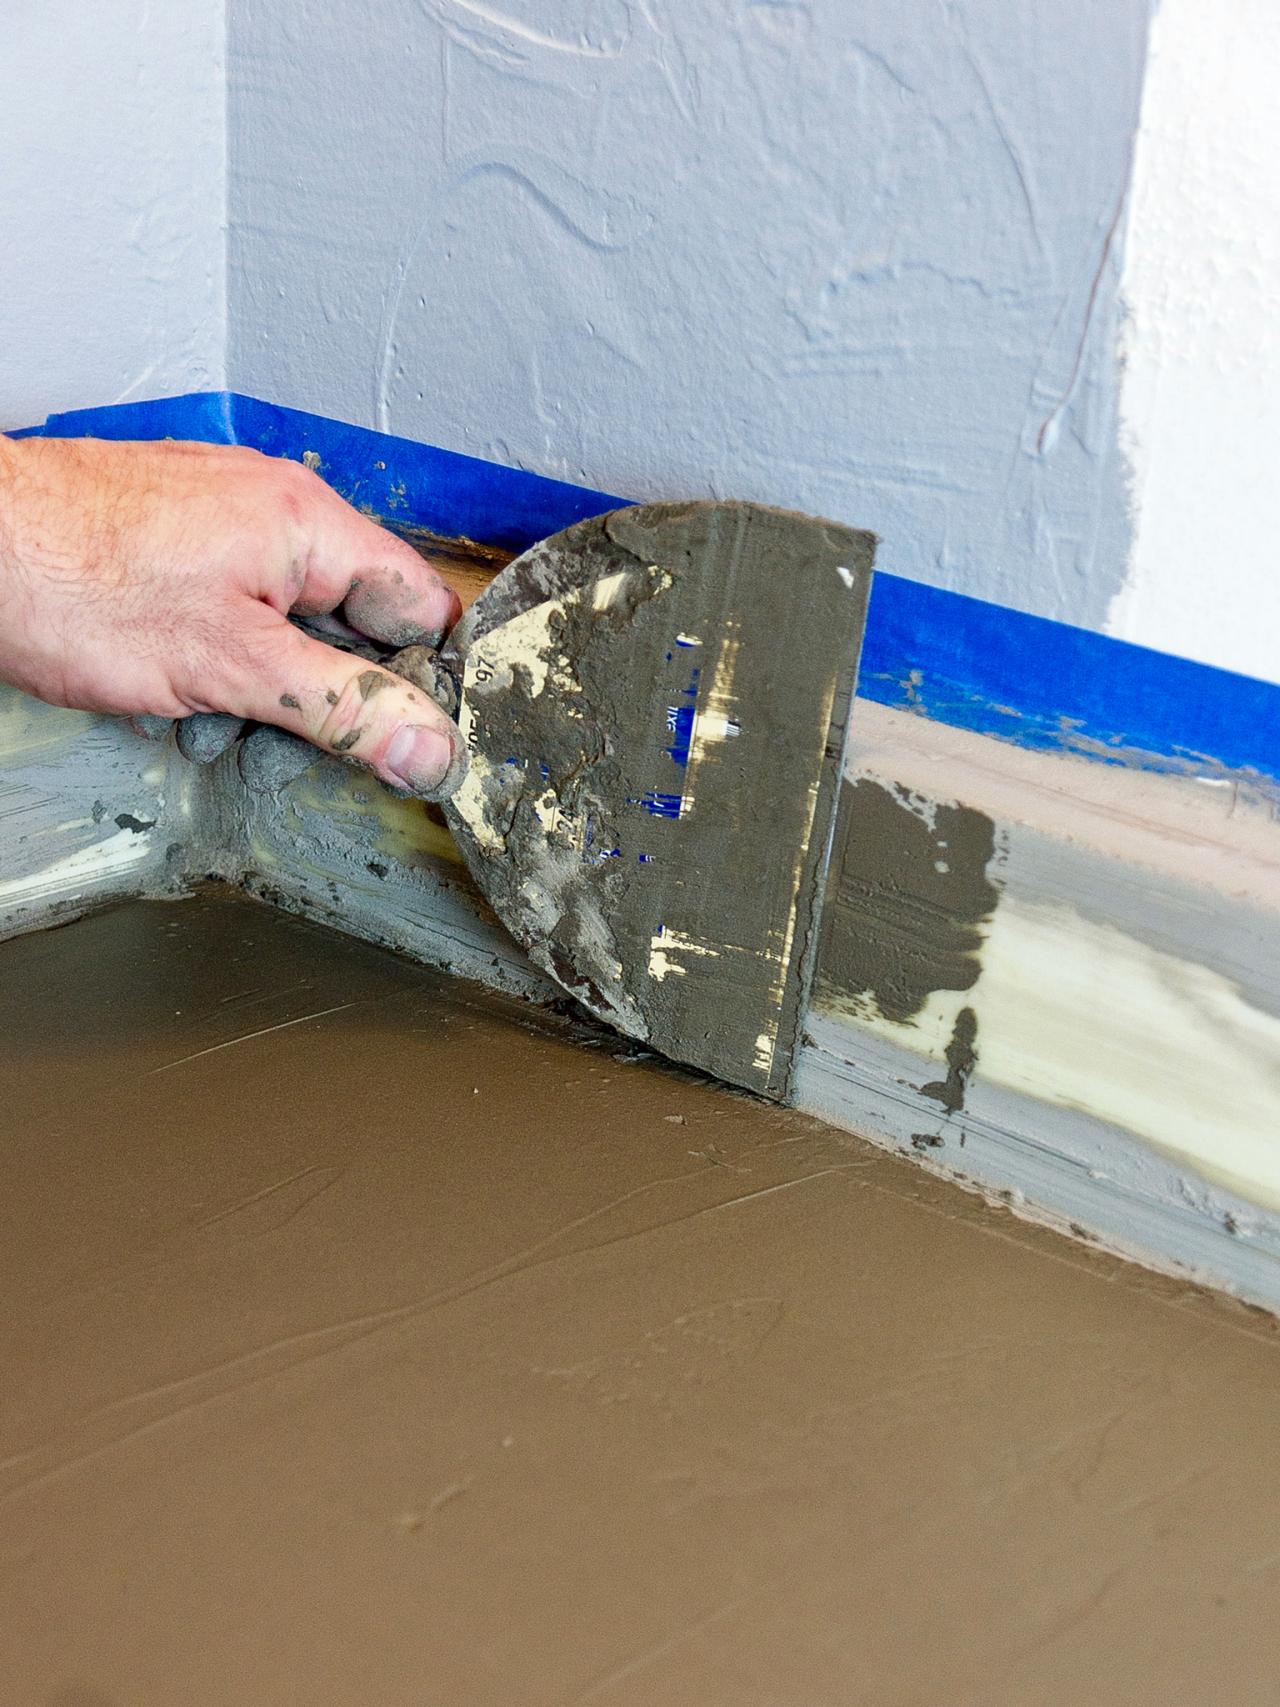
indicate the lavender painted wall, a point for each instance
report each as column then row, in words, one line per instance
column 856, row 258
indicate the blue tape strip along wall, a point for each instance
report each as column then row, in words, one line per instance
column 958, row 660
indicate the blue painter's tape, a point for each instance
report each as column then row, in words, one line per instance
column 957, row 660
column 419, row 485
column 201, row 415
column 1051, row 687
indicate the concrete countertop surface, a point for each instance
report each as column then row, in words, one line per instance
column 372, row 1343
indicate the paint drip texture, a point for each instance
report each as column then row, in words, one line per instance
column 854, row 260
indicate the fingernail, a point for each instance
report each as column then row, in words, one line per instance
column 419, row 759
column 434, row 634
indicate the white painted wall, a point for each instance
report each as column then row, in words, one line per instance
column 848, row 258
column 858, row 258
column 112, row 202
column 1201, row 385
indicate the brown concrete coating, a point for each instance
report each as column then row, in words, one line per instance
column 367, row 1349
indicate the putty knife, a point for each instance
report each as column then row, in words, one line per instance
column 654, row 703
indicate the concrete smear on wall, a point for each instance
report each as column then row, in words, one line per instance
column 908, row 897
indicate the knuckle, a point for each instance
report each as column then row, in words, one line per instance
column 303, row 480
column 346, row 714
column 296, row 489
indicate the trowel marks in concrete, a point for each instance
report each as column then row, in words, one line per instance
column 907, row 897
column 655, row 703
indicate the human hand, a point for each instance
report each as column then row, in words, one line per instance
column 157, row 579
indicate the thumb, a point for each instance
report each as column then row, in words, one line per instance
column 344, row 705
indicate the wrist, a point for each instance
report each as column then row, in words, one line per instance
column 43, row 516
column 10, row 459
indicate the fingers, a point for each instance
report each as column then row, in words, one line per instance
column 385, row 588
column 206, row 735
column 269, row 759
column 357, row 710
column 403, row 606
column 149, row 727
column 421, row 666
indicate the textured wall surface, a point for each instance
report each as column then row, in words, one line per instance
column 1201, row 393
column 859, row 259
column 112, row 202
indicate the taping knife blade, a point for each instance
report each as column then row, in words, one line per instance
column 654, row 703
